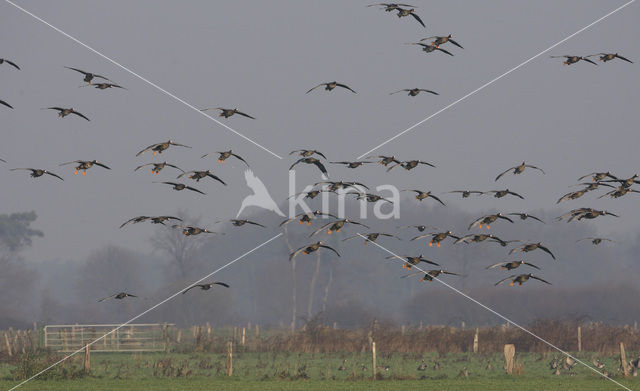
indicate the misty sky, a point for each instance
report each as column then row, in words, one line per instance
column 262, row 57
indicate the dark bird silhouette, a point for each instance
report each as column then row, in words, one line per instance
column 84, row 165
column 370, row 237
column 181, row 186
column 241, row 222
column 224, row 155
column 511, row 265
column 525, row 248
column 410, row 261
column 226, row 113
column 206, row 287
column 429, row 276
column 430, row 48
column 598, row 176
column 604, row 57
column 595, row 241
column 502, row 193
column 355, row 164
column 421, row 195
column 13, row 64
column 518, row 169
column 88, row 76
column 37, row 172
column 336, row 226
column 118, row 296
column 157, row 167
column 466, row 193
column 331, row 85
column 311, row 194
column 62, row 112
column 372, row 197
column 103, row 86
column 161, row 147
column 306, row 217
column 619, row 192
column 477, row 238
column 409, row 165
column 439, row 40
column 524, row 216
column 406, row 12
column 5, row 104
column 414, row 91
column 420, row 228
column 437, row 237
column 152, row 219
column 574, row 59
column 388, row 7
column 584, row 213
column 190, row 230
column 333, row 186
column 197, row 175
column 308, row 249
column 311, row 160
column 307, row 152
column 520, row 279
column 488, row 220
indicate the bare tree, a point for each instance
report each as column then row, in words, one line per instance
column 182, row 250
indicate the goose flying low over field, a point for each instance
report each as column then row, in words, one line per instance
column 226, row 113
column 525, row 248
column 197, row 175
column 311, row 160
column 331, row 85
column 5, row 104
column 88, row 76
column 355, row 164
column 524, row 216
column 161, row 147
column 439, row 40
column 430, row 275
column 336, row 226
column 410, row 261
column 409, row 165
column 518, row 170
column 574, row 59
column 604, row 57
column 584, row 213
column 477, row 238
column 310, row 248
column 84, row 165
column 241, row 222
column 384, row 160
column 306, row 217
column 118, row 296
column 595, row 241
column 503, row 193
column 437, row 237
column 488, row 220
column 414, row 91
column 62, row 112
column 152, row 219
column 13, row 64
column 206, row 287
column 421, row 195
column 466, row 193
column 157, row 167
column 430, row 48
column 520, row 279
column 406, row 12
column 190, row 230
column 181, row 186
column 307, row 152
column 370, row 237
column 511, row 265
column 388, row 7
column 224, row 155
column 37, row 172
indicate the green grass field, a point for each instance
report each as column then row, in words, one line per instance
column 284, row 371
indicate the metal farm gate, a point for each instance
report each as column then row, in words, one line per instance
column 129, row 338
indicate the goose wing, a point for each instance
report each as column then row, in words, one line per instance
column 345, row 86
column 546, row 250
column 80, row 115
column 6, row 104
column 319, row 85
column 617, row 55
column 244, row 114
column 17, row 67
column 150, row 147
column 101, row 165
column 455, row 43
column 216, row 178
column 504, row 279
column 416, row 17
column 540, row 279
column 194, row 189
column 502, row 173
column 135, row 220
column 444, row 51
column 52, row 174
column 240, row 158
column 535, row 168
column 295, row 253
column 330, row 248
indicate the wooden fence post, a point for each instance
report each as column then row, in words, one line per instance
column 243, row 336
column 6, row 339
column 475, row 341
column 229, row 358
column 623, row 360
column 87, row 358
column 509, row 353
column 257, row 330
column 373, row 356
column 179, row 336
column 579, row 338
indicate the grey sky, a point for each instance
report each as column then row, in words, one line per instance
column 262, row 57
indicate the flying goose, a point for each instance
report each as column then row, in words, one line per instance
column 308, row 249
column 241, row 222
column 625, row 182
column 604, row 57
column 502, row 193
column 410, row 261
column 511, row 265
column 592, row 185
column 224, row 155
column 88, row 76
column 477, row 238
column 189, row 230
column 520, row 279
column 572, row 195
column 524, row 216
column 331, row 85
column 584, row 213
column 388, row 7
column 160, row 147
column 3, row 60
column 574, row 59
column 153, row 219
column 439, row 40
column 311, row 194
column 436, row 237
column 355, row 164
column 37, row 172
column 525, row 248
column 429, row 276
column 466, row 193
column 103, row 86
column 518, row 170
column 118, row 296
column 406, row 12
column 488, row 220
column 595, row 241
column 84, row 165
column 197, row 175
column 311, row 160
column 371, row 197
column 5, row 104
column 384, row 160
column 336, row 226
column 430, row 48
column 370, row 237
column 334, row 186
column 619, row 192
column 206, row 287
column 157, row 167
column 421, row 195
column 62, row 112
column 420, row 228
column 307, row 152
column 414, row 91
column 306, row 217
column 409, row 164
column 598, row 176
column 226, row 113
column 181, row 186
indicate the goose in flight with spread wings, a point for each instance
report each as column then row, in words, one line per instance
column 430, row 275
column 13, row 64
column 409, row 165
column 355, row 164
column 410, row 261
column 477, row 238
column 311, row 160
column 62, row 112
column 103, row 86
column 518, row 169
column 511, row 265
column 384, row 160
column 421, row 195
column 604, row 57
column 439, row 40
column 260, row 196
column 430, row 48
column 520, row 279
column 595, row 241
column 197, row 175
column 88, row 76
column 190, row 230
column 574, row 59
column 241, row 222
column 406, row 12
column 307, row 217
column 488, row 220
column 437, row 237
column 5, row 104
column 157, row 167
column 118, row 296
column 206, row 287
column 181, row 186
column 505, row 192
column 370, row 237
column 310, row 248
column 224, row 155
column 336, row 226
column 524, row 216
column 84, row 165
column 414, row 91
column 466, row 193
column 226, row 113
column 152, row 219
column 525, row 248
column 307, row 152
column 388, row 7
column 38, row 172
column 331, row 85
column 161, row 147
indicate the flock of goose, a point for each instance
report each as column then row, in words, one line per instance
column 361, row 191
